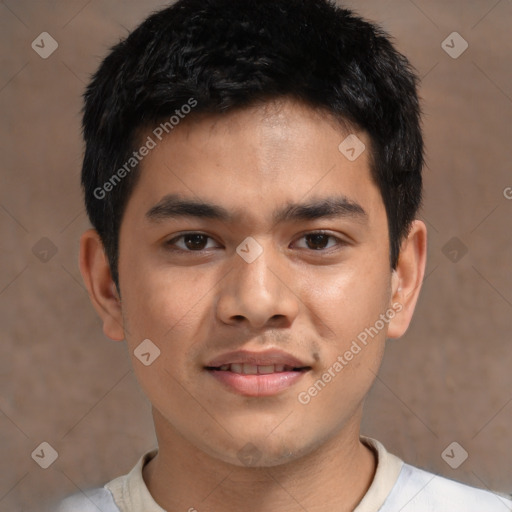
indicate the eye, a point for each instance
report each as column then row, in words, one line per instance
column 196, row 242
column 319, row 241
column 190, row 242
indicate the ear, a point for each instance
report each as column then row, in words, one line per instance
column 407, row 278
column 102, row 290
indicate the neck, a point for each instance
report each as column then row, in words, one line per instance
column 335, row 476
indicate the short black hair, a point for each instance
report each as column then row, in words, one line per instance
column 214, row 56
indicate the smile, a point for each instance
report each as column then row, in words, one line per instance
column 257, row 380
column 252, row 369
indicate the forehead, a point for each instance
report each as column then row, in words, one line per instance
column 250, row 160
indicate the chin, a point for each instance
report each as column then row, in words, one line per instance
column 259, row 451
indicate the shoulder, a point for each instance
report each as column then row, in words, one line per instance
column 96, row 500
column 420, row 491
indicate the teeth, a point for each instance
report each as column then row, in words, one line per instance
column 267, row 369
column 237, row 368
column 252, row 369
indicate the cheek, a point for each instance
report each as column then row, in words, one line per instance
column 335, row 396
column 173, row 308
column 166, row 308
column 160, row 300
column 349, row 302
column 349, row 298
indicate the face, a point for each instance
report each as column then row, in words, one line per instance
column 255, row 255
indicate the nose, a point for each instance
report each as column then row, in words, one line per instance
column 258, row 294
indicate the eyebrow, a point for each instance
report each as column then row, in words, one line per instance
column 173, row 206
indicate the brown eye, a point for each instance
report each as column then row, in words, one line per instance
column 191, row 242
column 320, row 241
column 195, row 242
column 317, row 241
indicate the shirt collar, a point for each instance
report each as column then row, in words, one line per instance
column 131, row 493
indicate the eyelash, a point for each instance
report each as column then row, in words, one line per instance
column 170, row 243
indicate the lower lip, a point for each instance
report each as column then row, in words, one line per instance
column 257, row 385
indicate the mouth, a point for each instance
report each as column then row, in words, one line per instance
column 253, row 369
column 257, row 374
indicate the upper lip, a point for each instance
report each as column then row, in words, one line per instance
column 263, row 358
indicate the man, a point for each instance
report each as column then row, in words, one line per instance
column 253, row 175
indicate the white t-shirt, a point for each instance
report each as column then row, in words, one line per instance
column 396, row 487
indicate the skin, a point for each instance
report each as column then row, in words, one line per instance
column 309, row 302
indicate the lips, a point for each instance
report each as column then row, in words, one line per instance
column 257, row 374
column 253, row 369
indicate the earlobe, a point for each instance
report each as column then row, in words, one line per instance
column 407, row 278
column 97, row 277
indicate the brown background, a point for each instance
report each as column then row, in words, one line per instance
column 448, row 379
